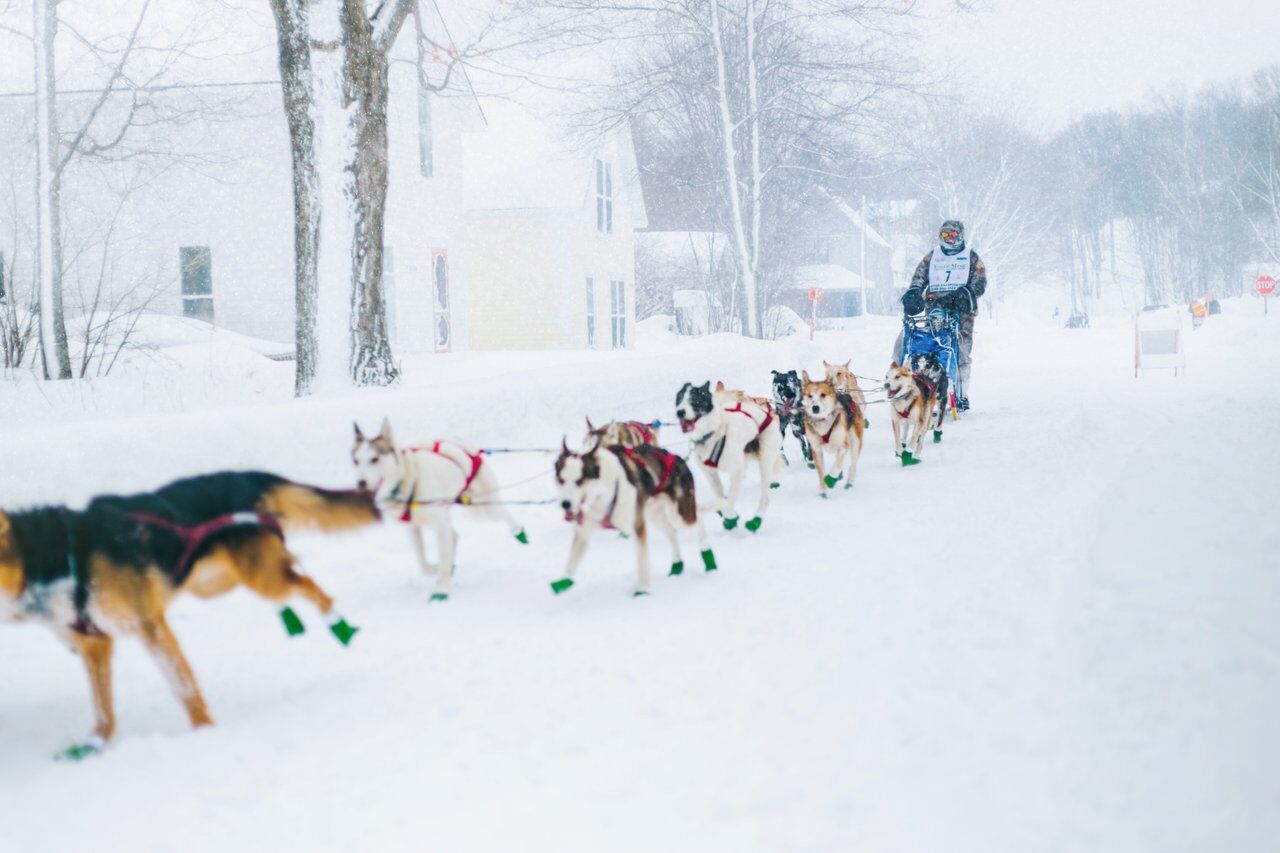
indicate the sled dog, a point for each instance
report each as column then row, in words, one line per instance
column 624, row 433
column 420, row 485
column 833, row 423
column 726, row 430
column 845, row 382
column 915, row 393
column 628, row 489
column 787, row 390
column 113, row 568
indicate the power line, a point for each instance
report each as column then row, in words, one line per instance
column 163, row 88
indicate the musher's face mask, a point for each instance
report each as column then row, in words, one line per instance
column 949, row 236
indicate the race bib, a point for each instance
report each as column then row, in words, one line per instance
column 948, row 272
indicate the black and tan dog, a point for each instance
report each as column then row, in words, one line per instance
column 833, row 423
column 628, row 489
column 113, row 568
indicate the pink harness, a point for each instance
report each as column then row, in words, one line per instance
column 476, row 462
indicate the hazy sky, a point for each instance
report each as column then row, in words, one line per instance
column 1071, row 56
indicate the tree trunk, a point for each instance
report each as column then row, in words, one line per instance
column 299, row 107
column 729, row 157
column 366, row 73
column 54, row 356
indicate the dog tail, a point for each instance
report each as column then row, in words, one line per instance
column 686, row 498
column 299, row 506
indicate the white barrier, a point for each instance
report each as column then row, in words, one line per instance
column 1158, row 341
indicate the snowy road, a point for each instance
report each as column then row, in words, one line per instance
column 1060, row 632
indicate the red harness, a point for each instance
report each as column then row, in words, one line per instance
column 476, row 462
column 713, row 461
column 195, row 536
column 668, row 465
column 920, row 380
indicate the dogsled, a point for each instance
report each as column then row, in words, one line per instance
column 936, row 333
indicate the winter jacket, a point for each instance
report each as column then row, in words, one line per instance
column 977, row 283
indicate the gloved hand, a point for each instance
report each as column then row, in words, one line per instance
column 961, row 300
column 912, row 301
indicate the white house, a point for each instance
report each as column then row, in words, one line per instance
column 492, row 235
column 550, row 236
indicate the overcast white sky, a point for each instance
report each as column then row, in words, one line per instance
column 1071, row 56
column 1064, row 56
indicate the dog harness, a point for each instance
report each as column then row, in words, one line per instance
column 668, row 465
column 717, row 450
column 195, row 536
column 920, row 380
column 470, row 475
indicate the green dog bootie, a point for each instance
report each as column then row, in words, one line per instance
column 908, row 459
column 80, row 751
column 677, row 568
column 639, row 593
column 522, row 537
column 292, row 624
column 439, row 596
column 561, row 585
column 830, row 481
column 709, row 560
column 754, row 524
column 343, row 630
column 730, row 523
column 937, row 436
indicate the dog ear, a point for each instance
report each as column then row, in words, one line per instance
column 776, row 372
column 827, row 366
column 359, row 434
column 719, row 385
column 706, row 386
column 385, row 432
column 847, row 363
column 564, row 445
column 804, row 376
column 590, row 426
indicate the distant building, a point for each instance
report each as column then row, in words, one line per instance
column 830, row 258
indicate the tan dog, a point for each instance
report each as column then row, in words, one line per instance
column 833, row 423
column 743, row 397
column 915, row 395
column 845, row 382
column 621, row 434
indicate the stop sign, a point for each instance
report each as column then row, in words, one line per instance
column 1265, row 285
column 815, row 294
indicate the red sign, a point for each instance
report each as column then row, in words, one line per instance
column 815, row 294
column 1265, row 285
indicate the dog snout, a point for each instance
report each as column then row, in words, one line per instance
column 566, row 506
column 362, row 484
column 817, row 410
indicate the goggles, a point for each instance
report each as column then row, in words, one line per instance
column 950, row 235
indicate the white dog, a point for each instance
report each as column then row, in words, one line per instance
column 420, row 485
column 727, row 428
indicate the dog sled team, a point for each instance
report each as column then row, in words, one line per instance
column 113, row 568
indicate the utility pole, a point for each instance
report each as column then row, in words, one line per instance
column 862, row 258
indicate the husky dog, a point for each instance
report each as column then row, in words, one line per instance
column 833, row 422
column 420, row 485
column 787, row 389
column 915, row 393
column 628, row 489
column 725, row 431
column 845, row 382
column 624, row 433
column 115, row 567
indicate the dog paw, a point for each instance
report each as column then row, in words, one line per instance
column 775, row 485
column 730, row 523
column 639, row 593
column 80, row 751
column 709, row 560
column 937, row 436
column 561, row 585
column 677, row 568
column 908, row 459
column 292, row 623
column 342, row 630
column 439, row 596
column 522, row 537
column 754, row 524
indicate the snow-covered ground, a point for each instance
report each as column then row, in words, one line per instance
column 1060, row 632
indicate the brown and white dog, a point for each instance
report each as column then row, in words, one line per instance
column 833, row 423
column 421, row 484
column 628, row 489
column 915, row 393
column 623, row 433
column 114, row 568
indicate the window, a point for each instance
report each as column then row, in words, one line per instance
column 604, row 197
column 426, row 155
column 618, row 313
column 196, row 267
column 440, row 297
column 591, row 313
column 389, row 290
